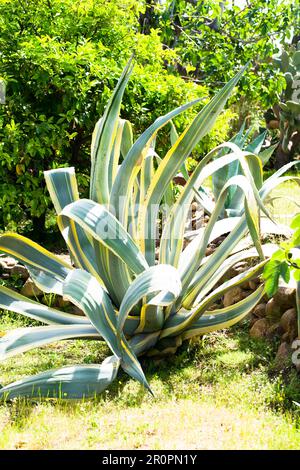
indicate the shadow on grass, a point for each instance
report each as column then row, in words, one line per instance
column 219, row 359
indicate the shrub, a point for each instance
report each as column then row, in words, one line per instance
column 60, row 60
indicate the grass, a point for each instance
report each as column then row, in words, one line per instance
column 218, row 392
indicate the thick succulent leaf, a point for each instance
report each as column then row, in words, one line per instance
column 173, row 160
column 174, row 228
column 266, row 154
column 236, row 206
column 143, row 342
column 103, row 227
column 130, row 167
column 221, row 227
column 220, row 177
column 71, row 382
column 152, row 318
column 85, row 291
column 169, row 199
column 225, row 317
column 172, row 237
column 160, row 284
column 173, row 232
column 62, row 187
column 252, row 217
column 11, row 300
column 176, row 324
column 234, row 200
column 122, row 143
column 47, row 270
column 205, row 200
column 103, row 141
column 146, row 174
column 233, row 239
column 173, row 138
column 127, row 138
column 256, row 144
column 199, row 294
column 21, row 340
column 75, row 382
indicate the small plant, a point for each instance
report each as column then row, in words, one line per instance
column 285, row 264
column 141, row 293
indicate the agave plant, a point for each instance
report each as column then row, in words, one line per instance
column 234, row 204
column 138, row 304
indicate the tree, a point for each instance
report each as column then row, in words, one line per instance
column 60, row 60
column 213, row 39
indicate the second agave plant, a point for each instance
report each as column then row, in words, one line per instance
column 137, row 300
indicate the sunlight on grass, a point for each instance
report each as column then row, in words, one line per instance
column 218, row 392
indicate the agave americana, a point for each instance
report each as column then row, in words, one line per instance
column 138, row 304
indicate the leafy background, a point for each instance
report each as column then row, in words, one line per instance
column 60, row 59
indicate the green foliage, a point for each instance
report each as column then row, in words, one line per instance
column 60, row 59
column 212, row 38
column 289, row 106
column 234, row 202
column 285, row 262
column 134, row 303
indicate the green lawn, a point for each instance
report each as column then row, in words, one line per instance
column 219, row 392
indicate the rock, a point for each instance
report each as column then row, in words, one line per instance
column 288, row 323
column 29, row 289
column 234, row 295
column 254, row 283
column 219, row 240
column 253, row 319
column 179, row 179
column 76, row 311
column 62, row 302
column 285, row 337
column 260, row 310
column 237, row 269
column 285, row 298
column 283, row 356
column 273, row 311
column 259, row 329
column 245, row 285
column 210, row 249
column 7, row 262
column 19, row 270
column 274, row 330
